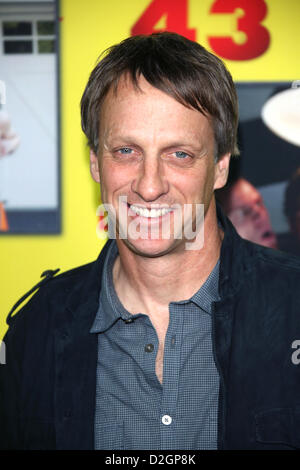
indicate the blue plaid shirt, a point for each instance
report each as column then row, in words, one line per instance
column 133, row 409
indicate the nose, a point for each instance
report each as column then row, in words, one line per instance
column 260, row 216
column 150, row 183
column 258, row 211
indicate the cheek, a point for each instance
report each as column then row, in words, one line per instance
column 196, row 183
column 113, row 178
column 209, row 181
column 239, row 221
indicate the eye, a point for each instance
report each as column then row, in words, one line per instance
column 125, row 150
column 181, row 154
column 246, row 211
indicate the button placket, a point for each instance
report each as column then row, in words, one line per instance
column 150, row 347
column 171, row 374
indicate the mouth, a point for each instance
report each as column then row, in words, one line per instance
column 267, row 235
column 268, row 238
column 148, row 212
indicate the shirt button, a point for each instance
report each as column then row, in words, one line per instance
column 166, row 419
column 149, row 347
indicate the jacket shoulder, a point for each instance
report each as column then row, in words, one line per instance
column 278, row 272
column 52, row 292
column 51, row 285
column 278, row 259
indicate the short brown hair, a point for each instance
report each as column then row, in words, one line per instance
column 179, row 67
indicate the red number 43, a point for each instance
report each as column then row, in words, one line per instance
column 175, row 13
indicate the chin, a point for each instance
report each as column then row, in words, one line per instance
column 270, row 244
column 152, row 248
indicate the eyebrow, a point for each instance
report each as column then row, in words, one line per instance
column 184, row 144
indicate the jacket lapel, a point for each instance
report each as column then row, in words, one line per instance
column 234, row 263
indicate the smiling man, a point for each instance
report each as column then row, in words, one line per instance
column 181, row 334
column 159, row 157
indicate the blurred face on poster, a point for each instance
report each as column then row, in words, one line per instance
column 247, row 212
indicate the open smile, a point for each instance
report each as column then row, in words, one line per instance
column 148, row 212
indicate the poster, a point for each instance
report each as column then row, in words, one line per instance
column 29, row 121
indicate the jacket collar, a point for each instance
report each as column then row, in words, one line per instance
column 235, row 258
column 87, row 291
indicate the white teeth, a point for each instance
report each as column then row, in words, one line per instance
column 149, row 213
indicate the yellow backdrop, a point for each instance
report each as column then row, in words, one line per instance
column 86, row 29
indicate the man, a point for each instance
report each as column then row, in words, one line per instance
column 244, row 206
column 164, row 342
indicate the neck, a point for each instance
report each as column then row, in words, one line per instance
column 147, row 285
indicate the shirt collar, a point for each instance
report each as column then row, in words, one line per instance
column 110, row 308
column 209, row 291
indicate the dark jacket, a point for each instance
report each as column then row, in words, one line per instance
column 48, row 384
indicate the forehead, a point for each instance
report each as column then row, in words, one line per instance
column 146, row 108
column 244, row 193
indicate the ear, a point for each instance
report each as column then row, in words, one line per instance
column 221, row 171
column 94, row 166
